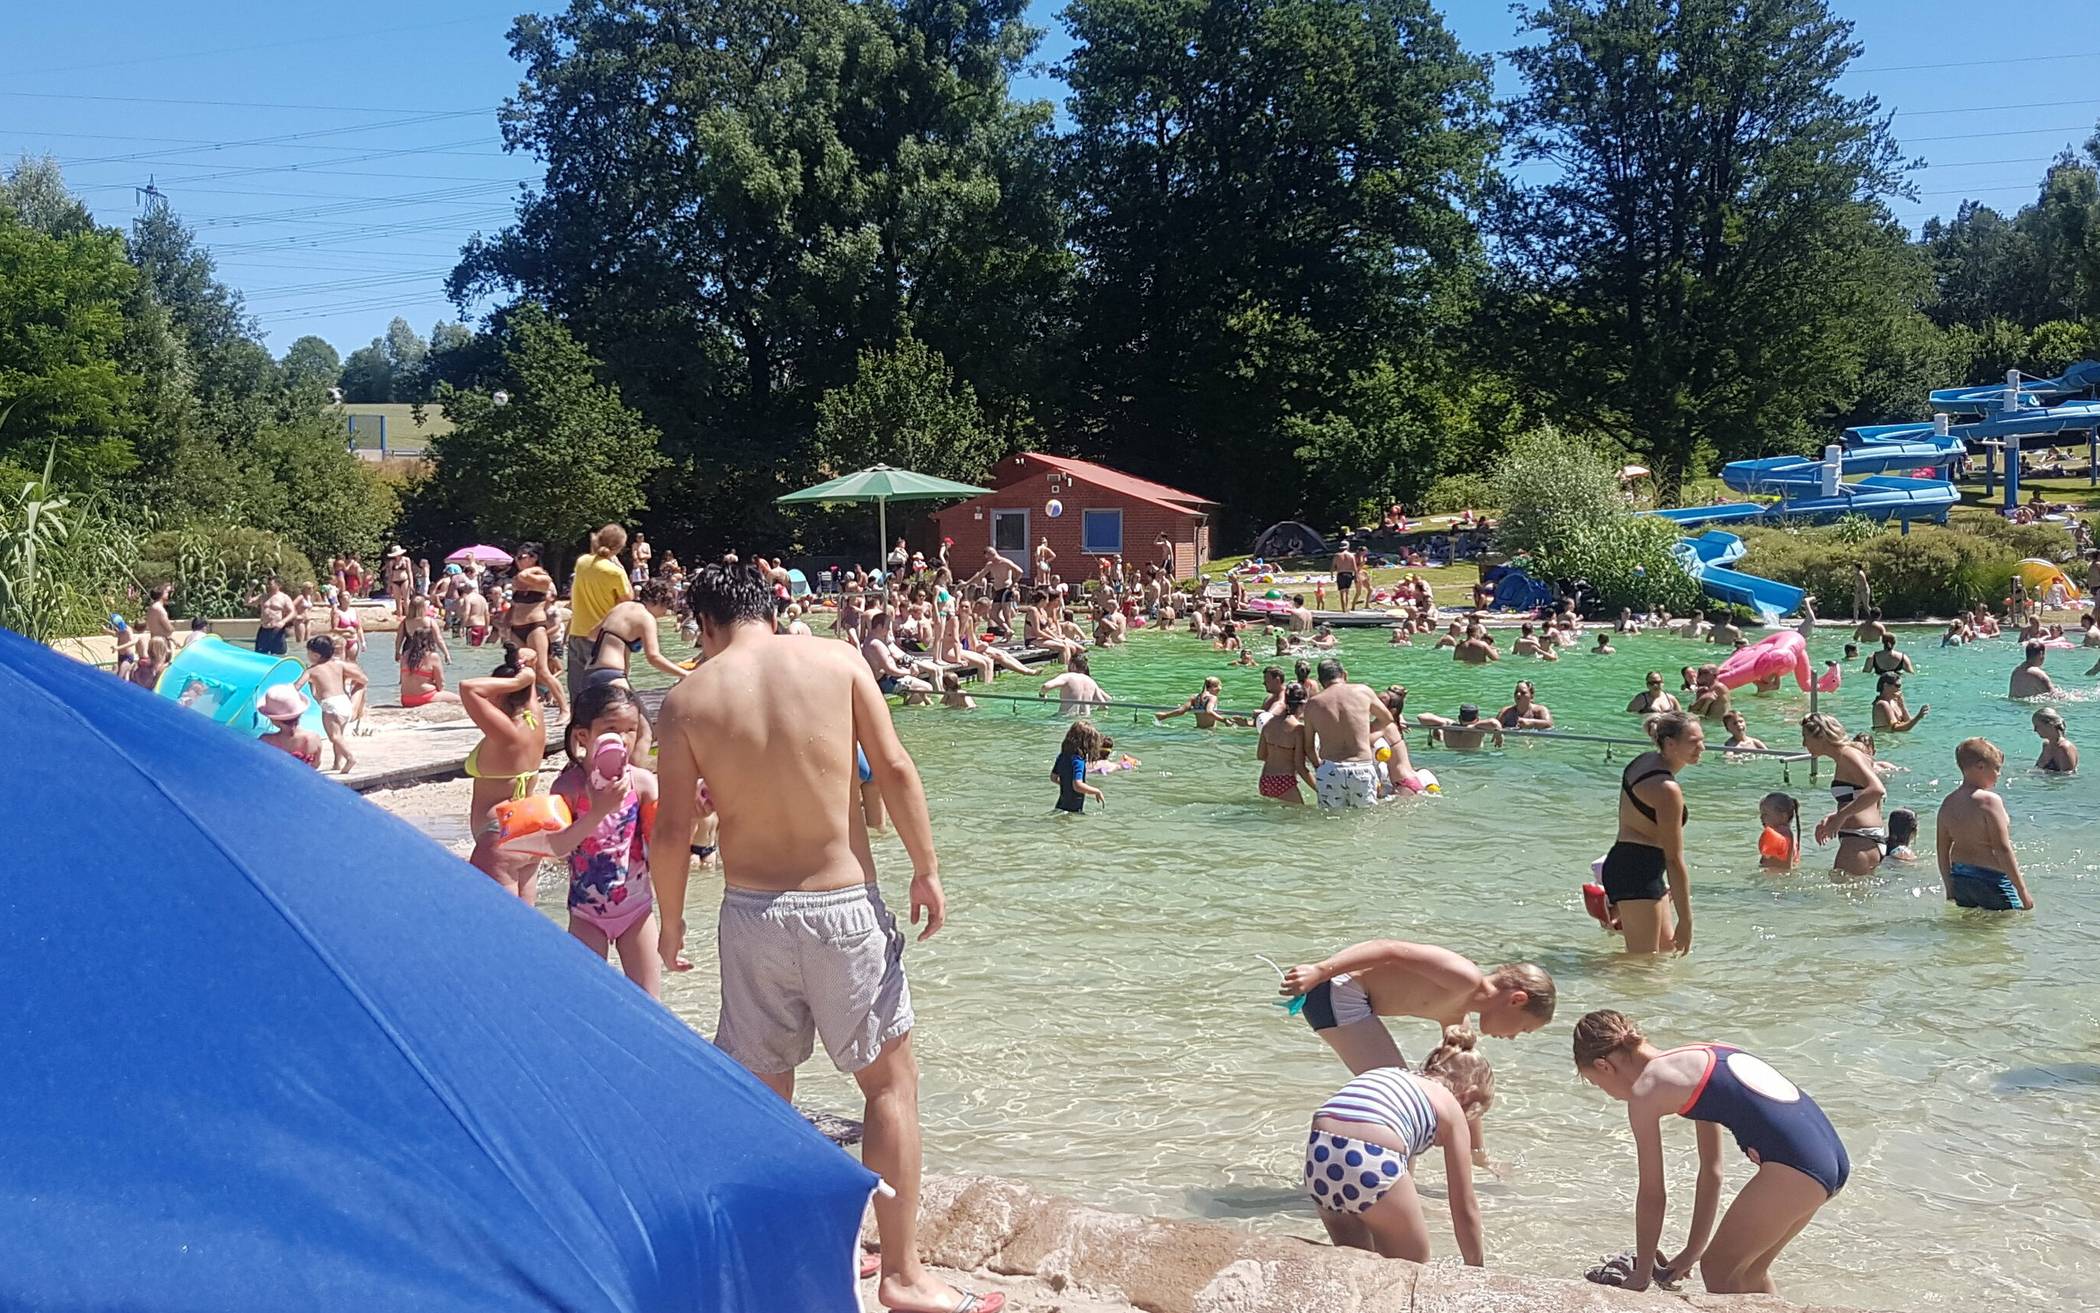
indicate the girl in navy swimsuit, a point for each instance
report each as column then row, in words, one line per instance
column 1801, row 1164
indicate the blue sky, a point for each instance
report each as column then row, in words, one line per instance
column 335, row 158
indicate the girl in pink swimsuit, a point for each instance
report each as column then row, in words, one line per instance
column 607, row 845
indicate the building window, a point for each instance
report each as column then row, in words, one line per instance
column 1101, row 533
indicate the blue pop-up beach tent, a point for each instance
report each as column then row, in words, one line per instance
column 267, row 1047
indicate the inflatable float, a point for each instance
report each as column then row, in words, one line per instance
column 2040, row 576
column 212, row 676
column 523, row 825
column 1770, row 657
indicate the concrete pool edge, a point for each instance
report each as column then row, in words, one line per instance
column 1080, row 1255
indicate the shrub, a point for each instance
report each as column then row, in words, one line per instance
column 1929, row 571
column 64, row 566
column 216, row 568
column 1456, row 492
column 1562, row 507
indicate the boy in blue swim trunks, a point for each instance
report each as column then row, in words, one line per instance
column 1977, row 865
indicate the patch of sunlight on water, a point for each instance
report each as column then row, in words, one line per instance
column 1095, row 1020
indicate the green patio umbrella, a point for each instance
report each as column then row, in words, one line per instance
column 882, row 485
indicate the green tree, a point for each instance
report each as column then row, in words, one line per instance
column 36, row 191
column 368, row 376
column 740, row 198
column 905, row 408
column 311, row 363
column 1271, row 203
column 560, row 456
column 1691, row 280
column 234, row 378
column 62, row 326
column 1564, row 511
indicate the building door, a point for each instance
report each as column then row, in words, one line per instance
column 1010, row 536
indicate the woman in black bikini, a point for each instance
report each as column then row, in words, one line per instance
column 1856, row 788
column 531, row 587
column 1646, row 864
column 628, row 631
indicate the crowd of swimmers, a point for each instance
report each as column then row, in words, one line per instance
column 809, row 952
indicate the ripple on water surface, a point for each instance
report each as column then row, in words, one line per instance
column 1095, row 1018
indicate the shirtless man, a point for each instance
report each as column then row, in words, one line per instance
column 1044, row 557
column 1077, row 693
column 160, row 636
column 1274, row 687
column 1886, row 660
column 1710, row 697
column 807, row 946
column 1870, row 630
column 1342, row 717
column 1727, row 633
column 1527, row 643
column 1862, row 594
column 1464, row 734
column 1301, row 616
column 998, row 574
column 1345, row 568
column 1346, row 994
column 1977, row 864
column 1653, row 698
column 474, row 617
column 2029, row 680
column 1476, row 649
column 890, row 670
column 273, row 615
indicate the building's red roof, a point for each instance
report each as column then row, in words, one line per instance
column 1127, row 485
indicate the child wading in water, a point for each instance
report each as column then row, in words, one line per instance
column 1801, row 1163
column 1977, row 866
column 1081, row 746
column 1779, row 847
column 1364, row 1139
column 610, row 898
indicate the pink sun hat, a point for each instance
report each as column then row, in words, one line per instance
column 281, row 703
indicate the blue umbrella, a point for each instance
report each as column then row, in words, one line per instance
column 270, row 1048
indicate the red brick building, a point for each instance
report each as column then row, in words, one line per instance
column 1099, row 512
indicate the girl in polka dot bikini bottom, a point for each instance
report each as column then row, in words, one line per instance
column 1363, row 1139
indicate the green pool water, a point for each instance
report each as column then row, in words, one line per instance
column 1095, row 1019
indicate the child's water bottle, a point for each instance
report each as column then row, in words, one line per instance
column 608, row 760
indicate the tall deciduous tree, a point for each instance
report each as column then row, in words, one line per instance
column 905, row 408
column 311, row 363
column 1271, row 203
column 62, row 328
column 1691, row 275
column 559, row 456
column 739, row 197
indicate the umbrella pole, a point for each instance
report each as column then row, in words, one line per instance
column 882, row 532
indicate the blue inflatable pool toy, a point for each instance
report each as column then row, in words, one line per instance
column 222, row 681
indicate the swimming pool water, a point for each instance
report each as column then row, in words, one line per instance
column 1095, row 1020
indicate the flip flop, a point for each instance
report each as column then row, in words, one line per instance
column 971, row 1302
column 870, row 1265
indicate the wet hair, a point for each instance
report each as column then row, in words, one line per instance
column 1302, row 671
column 1539, row 993
column 508, row 669
column 1888, row 681
column 655, row 592
column 2049, row 716
column 1330, row 672
column 1464, row 1070
column 533, row 550
column 1524, row 689
column 609, row 541
column 1978, row 752
column 1269, row 672
column 1293, row 699
column 199, row 623
column 1078, row 664
column 1824, row 726
column 732, row 594
column 1888, row 640
column 591, row 704
column 1787, row 805
column 419, row 644
column 1212, row 683
column 2034, row 649
column 950, row 682
column 1873, row 613
column 1903, row 827
column 1602, row 1033
column 1664, row 726
column 322, row 646
column 1082, row 739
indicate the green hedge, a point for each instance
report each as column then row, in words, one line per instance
column 1929, row 571
column 216, row 569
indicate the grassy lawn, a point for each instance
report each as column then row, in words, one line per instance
column 2075, row 491
column 402, row 433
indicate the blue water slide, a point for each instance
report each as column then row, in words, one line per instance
column 2080, row 378
column 1707, row 558
column 1732, row 512
column 1881, row 497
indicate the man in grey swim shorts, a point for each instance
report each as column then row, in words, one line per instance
column 808, row 949
column 1345, row 717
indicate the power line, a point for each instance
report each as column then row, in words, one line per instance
column 2010, row 132
column 442, row 148
column 351, row 34
column 1976, row 63
column 320, row 169
column 411, row 121
column 244, row 104
column 1986, row 109
column 203, row 143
